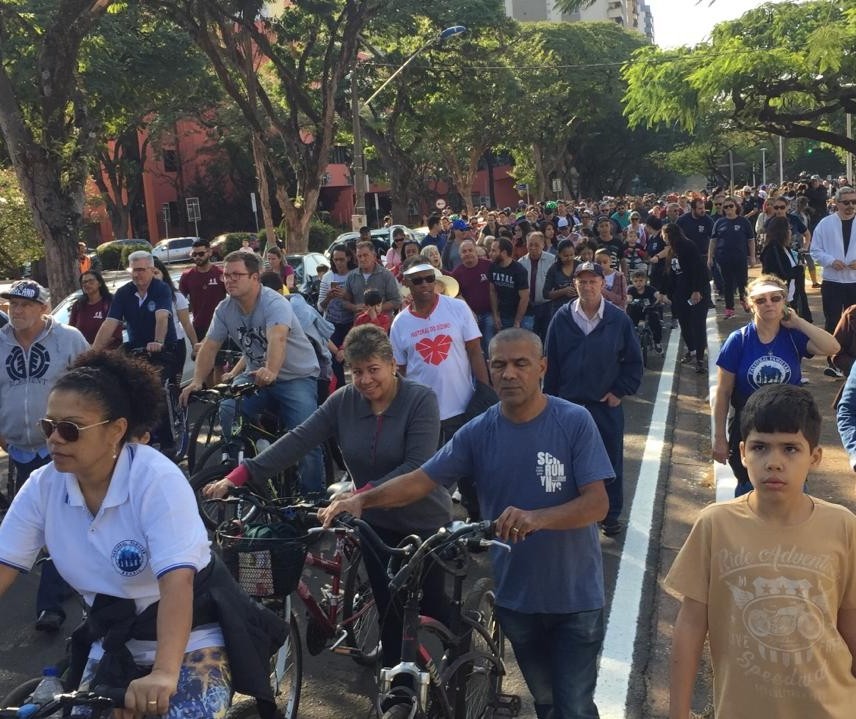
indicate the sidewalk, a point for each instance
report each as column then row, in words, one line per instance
column 690, row 487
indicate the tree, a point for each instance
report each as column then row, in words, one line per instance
column 785, row 69
column 19, row 241
column 44, row 119
column 284, row 73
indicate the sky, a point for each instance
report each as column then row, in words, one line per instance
column 685, row 22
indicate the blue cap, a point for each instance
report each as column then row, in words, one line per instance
column 460, row 225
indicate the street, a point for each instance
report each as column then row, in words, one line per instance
column 668, row 478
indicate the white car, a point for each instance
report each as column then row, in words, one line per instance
column 174, row 249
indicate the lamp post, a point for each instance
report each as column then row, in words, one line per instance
column 358, row 219
column 763, row 165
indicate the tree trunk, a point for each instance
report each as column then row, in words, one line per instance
column 264, row 191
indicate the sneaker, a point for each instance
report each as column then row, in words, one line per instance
column 701, row 367
column 728, row 314
column 832, row 371
column 658, row 348
column 611, row 527
column 688, row 358
column 49, row 621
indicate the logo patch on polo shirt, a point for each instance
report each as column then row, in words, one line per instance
column 129, row 558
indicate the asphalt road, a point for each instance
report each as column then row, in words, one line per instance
column 670, row 470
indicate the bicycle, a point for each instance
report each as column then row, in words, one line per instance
column 101, row 702
column 270, row 567
column 177, row 415
column 467, row 682
column 249, row 439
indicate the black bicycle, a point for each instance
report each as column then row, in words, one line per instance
column 101, row 701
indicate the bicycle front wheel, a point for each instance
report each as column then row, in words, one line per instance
column 204, row 431
column 286, row 678
column 359, row 613
column 213, row 512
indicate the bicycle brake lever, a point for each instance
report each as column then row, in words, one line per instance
column 494, row 543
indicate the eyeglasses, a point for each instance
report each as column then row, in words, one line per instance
column 846, row 203
column 198, row 254
column 717, row 204
column 775, row 299
column 780, row 207
column 68, row 431
column 421, row 280
column 229, row 276
column 726, row 207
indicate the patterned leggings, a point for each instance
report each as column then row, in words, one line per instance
column 204, row 686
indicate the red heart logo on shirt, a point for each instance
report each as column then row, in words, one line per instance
column 434, row 349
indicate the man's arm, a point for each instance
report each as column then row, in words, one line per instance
column 847, row 628
column 687, row 643
column 277, row 335
column 105, row 333
column 477, row 363
column 204, row 364
column 522, row 306
column 591, row 506
column 494, row 305
column 161, row 327
column 391, row 292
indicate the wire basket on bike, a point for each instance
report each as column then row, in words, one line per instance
column 265, row 559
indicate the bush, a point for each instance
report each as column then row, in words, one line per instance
column 235, row 240
column 279, row 234
column 110, row 256
column 128, row 249
column 321, row 236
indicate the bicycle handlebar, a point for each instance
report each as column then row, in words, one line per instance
column 101, row 698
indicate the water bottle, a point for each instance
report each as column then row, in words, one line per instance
column 46, row 690
column 261, row 445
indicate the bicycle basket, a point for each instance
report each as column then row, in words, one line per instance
column 265, row 559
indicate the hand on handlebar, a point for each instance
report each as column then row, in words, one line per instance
column 263, row 377
column 190, row 388
column 218, row 489
column 353, row 505
column 154, row 347
column 148, row 695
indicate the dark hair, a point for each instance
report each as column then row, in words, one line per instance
column 654, row 222
column 271, row 279
column 504, row 245
column 102, row 286
column 433, row 221
column 365, row 229
column 781, row 408
column 117, row 382
column 372, row 297
column 407, row 244
column 674, row 235
column 638, row 273
column 777, row 231
column 165, row 276
column 349, row 255
column 201, row 242
column 275, row 251
column 366, row 341
column 563, row 245
column 250, row 259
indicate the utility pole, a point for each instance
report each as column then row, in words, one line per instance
column 763, row 165
column 358, row 219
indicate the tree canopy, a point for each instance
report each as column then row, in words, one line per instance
column 783, row 68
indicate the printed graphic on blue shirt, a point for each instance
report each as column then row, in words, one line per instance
column 129, row 558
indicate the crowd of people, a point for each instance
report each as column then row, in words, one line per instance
column 493, row 358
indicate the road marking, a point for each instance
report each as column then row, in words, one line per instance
column 616, row 661
column 723, row 478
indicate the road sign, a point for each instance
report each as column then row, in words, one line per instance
column 440, row 204
column 194, row 213
column 557, row 185
column 521, row 187
column 165, row 213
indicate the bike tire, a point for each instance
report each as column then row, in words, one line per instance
column 483, row 680
column 213, row 513
column 177, row 423
column 287, row 663
column 204, row 432
column 20, row 693
column 397, row 711
column 359, row 613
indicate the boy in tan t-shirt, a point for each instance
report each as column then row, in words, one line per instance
column 771, row 577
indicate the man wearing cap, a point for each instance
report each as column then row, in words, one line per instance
column 536, row 263
column 451, row 254
column 593, row 359
column 473, row 276
column 35, row 351
column 509, row 288
column 436, row 342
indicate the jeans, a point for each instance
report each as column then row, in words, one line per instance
column 835, row 298
column 293, row 400
column 53, row 589
column 557, row 654
column 526, row 323
column 485, row 323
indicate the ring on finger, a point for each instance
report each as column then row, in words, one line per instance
column 515, row 530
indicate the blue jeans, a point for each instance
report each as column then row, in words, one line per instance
column 485, row 323
column 293, row 400
column 557, row 654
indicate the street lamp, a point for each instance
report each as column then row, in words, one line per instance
column 764, row 166
column 358, row 219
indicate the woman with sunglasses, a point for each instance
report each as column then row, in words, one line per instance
column 88, row 313
column 122, row 527
column 732, row 247
column 766, row 351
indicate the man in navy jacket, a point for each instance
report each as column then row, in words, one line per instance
column 594, row 360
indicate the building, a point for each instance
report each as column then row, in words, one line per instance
column 632, row 14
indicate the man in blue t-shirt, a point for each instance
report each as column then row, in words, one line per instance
column 539, row 467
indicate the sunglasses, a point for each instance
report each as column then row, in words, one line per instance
column 726, row 207
column 780, row 207
column 422, row 280
column 197, row 254
column 775, row 299
column 847, row 203
column 68, row 431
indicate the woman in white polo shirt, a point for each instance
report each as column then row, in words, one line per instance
column 121, row 524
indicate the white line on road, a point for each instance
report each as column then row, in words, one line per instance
column 723, row 478
column 616, row 661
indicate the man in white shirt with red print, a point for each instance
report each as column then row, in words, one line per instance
column 436, row 342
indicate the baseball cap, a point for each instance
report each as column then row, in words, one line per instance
column 601, row 218
column 27, row 290
column 460, row 224
column 589, row 267
column 815, row 177
column 550, row 206
column 563, row 222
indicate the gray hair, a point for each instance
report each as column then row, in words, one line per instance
column 844, row 191
column 517, row 334
column 141, row 255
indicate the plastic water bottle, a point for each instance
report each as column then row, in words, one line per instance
column 46, row 690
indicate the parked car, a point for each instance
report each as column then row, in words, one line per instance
column 174, row 249
column 382, row 239
column 123, row 243
column 306, row 268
